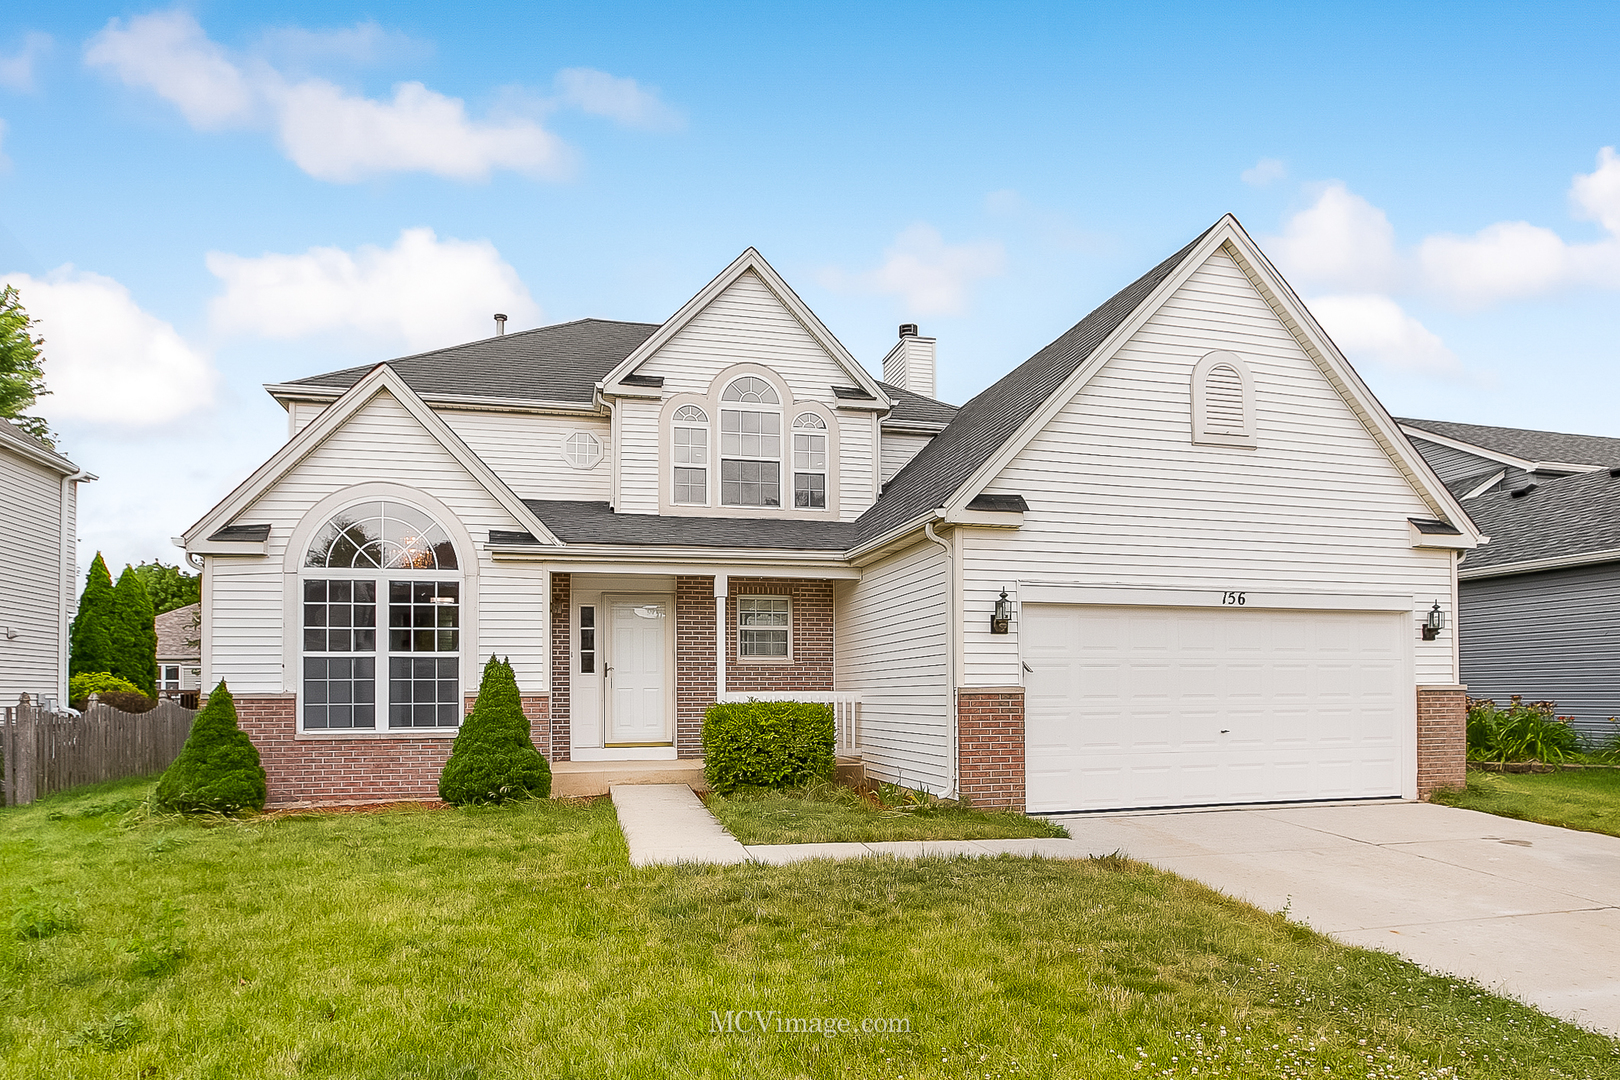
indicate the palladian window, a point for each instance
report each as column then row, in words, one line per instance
column 690, row 453
column 809, row 461
column 390, row 563
column 750, row 444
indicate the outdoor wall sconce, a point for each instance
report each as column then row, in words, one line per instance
column 1001, row 618
column 1435, row 623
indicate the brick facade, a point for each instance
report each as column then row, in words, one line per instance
column 365, row 769
column 694, row 661
column 1442, row 739
column 811, row 669
column 990, row 746
column 562, row 670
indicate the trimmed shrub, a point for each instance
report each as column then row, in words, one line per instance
column 768, row 744
column 132, row 701
column 82, row 685
column 1524, row 731
column 218, row 769
column 493, row 759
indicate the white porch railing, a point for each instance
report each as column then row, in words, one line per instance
column 846, row 711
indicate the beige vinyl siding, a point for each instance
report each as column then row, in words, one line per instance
column 526, row 451
column 891, row 651
column 855, row 478
column 381, row 442
column 639, row 473
column 299, row 414
column 1120, row 497
column 31, row 576
column 899, row 449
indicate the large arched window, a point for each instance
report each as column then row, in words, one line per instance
column 750, row 444
column 382, row 566
column 809, row 461
column 689, row 435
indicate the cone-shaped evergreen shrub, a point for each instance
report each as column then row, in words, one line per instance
column 134, row 643
column 218, row 769
column 493, row 759
column 94, row 627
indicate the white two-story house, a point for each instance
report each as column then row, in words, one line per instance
column 1180, row 556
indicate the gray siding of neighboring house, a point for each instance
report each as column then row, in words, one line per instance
column 1451, row 464
column 1552, row 635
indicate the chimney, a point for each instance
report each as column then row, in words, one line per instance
column 910, row 364
column 500, row 324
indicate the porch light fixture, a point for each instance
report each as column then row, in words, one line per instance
column 1001, row 618
column 1435, row 623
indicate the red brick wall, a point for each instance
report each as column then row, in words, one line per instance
column 990, row 746
column 812, row 638
column 367, row 769
column 1442, row 740
column 694, row 661
column 562, row 616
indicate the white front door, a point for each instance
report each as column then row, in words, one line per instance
column 637, row 671
column 1143, row 706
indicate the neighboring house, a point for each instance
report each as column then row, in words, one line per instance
column 1540, row 614
column 1216, row 550
column 39, row 491
column 179, row 650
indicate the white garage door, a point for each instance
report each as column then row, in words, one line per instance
column 1147, row 706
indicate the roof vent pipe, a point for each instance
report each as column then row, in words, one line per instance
column 500, row 324
column 908, row 329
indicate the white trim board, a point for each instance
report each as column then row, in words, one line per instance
column 1033, row 593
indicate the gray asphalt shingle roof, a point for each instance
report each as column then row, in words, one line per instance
column 1569, row 515
column 982, row 425
column 1527, row 444
column 595, row 523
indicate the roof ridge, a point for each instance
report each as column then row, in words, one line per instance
column 1417, row 422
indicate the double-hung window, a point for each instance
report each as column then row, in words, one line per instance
column 690, row 453
column 381, row 591
column 750, row 444
column 763, row 624
column 809, row 461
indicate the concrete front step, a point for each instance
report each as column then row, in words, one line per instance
column 575, row 779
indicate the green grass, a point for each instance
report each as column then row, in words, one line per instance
column 1587, row 799
column 517, row 943
column 828, row 813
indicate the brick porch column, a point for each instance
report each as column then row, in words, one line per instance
column 990, row 746
column 1442, row 738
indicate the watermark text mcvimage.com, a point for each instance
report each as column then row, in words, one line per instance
column 771, row 1022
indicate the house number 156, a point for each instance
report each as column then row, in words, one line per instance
column 1234, row 599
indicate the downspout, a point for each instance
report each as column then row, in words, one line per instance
column 65, row 600
column 953, row 631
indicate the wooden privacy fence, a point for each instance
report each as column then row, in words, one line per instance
column 42, row 752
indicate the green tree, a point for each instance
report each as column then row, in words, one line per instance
column 493, row 759
column 134, row 644
column 169, row 586
column 22, row 370
column 90, row 642
column 218, row 769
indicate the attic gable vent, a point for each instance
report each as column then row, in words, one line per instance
column 1223, row 401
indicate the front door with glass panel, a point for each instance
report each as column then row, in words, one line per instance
column 638, row 671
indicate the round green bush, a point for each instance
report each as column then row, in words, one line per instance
column 768, row 744
column 218, row 769
column 82, row 685
column 493, row 759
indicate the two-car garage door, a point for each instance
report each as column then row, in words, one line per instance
column 1158, row 706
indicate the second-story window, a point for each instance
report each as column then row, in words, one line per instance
column 809, row 461
column 690, row 454
column 750, row 444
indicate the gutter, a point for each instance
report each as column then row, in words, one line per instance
column 65, row 597
column 1529, row 566
column 953, row 631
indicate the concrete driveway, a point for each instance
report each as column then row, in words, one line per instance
column 1530, row 911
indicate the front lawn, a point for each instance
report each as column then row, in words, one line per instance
column 828, row 813
column 518, row 943
column 1587, row 799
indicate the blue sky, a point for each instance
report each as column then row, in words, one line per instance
column 198, row 200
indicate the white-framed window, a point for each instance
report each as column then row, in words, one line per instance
column 582, row 450
column 809, row 461
column 1223, row 401
column 689, row 434
column 381, row 614
column 168, row 677
column 764, row 627
column 750, row 444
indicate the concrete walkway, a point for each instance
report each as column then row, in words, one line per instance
column 1529, row 911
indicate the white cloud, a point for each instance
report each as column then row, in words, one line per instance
column 423, row 292
column 1375, row 327
column 1596, row 195
column 1341, row 240
column 1263, row 172
column 17, row 71
column 618, row 98
column 106, row 360
column 168, row 54
column 336, row 136
column 930, row 276
column 1500, row 262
